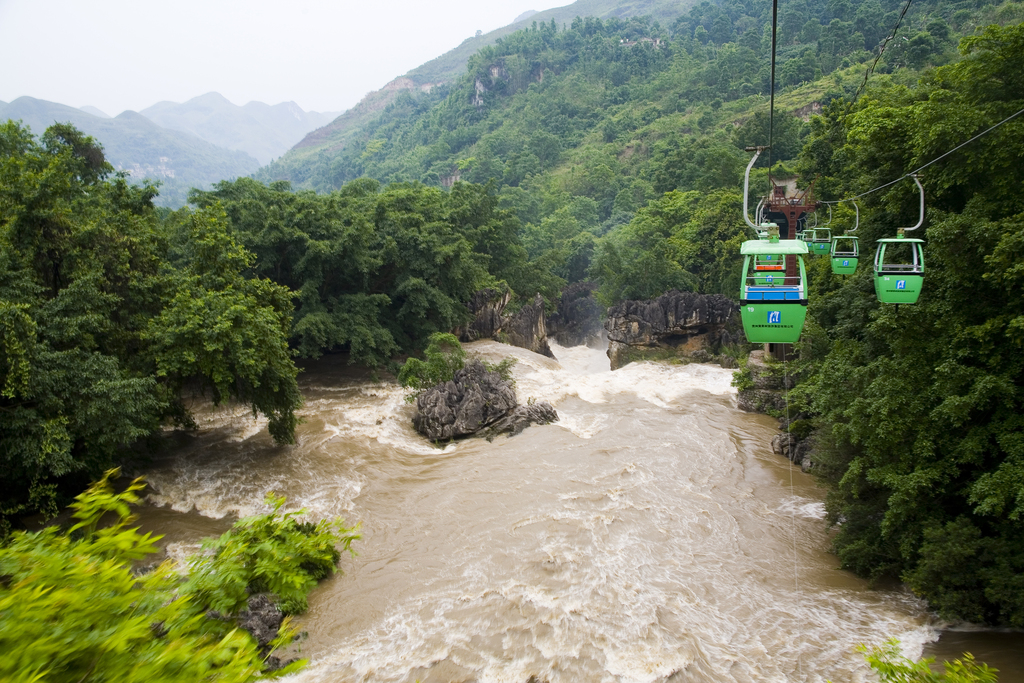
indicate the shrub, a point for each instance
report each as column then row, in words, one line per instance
column 444, row 356
column 72, row 609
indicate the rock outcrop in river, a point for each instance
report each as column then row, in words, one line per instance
column 475, row 401
column 684, row 324
column 525, row 328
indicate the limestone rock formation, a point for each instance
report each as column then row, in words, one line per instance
column 526, row 329
column 474, row 400
column 796, row 449
column 522, row 417
column 486, row 306
column 684, row 321
column 578, row 317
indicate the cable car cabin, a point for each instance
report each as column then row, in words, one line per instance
column 773, row 303
column 819, row 240
column 899, row 270
column 844, row 254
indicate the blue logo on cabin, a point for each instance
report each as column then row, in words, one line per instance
column 774, row 317
column 846, row 262
column 769, row 258
column 901, row 284
column 768, row 279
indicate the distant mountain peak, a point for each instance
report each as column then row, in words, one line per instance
column 95, row 112
column 261, row 130
column 524, row 16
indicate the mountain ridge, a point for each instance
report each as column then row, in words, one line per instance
column 261, row 130
column 439, row 71
column 135, row 144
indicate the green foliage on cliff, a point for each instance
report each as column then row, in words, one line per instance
column 106, row 315
column 920, row 406
column 72, row 609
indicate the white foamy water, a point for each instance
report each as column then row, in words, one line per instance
column 649, row 535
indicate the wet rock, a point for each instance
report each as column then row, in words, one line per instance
column 577, row 320
column 526, row 329
column 522, row 417
column 474, row 399
column 795, row 449
column 262, row 620
column 685, row 321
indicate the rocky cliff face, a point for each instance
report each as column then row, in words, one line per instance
column 767, row 395
column 578, row 317
column 693, row 325
column 476, row 400
column 797, row 450
column 486, row 306
column 525, row 329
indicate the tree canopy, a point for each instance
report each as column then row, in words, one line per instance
column 107, row 314
column 920, row 406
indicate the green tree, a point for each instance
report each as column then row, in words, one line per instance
column 443, row 357
column 94, row 302
column 893, row 667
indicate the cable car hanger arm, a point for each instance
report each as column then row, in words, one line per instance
column 746, row 184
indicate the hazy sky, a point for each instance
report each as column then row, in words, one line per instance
column 322, row 54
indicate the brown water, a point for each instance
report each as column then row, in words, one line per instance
column 649, row 535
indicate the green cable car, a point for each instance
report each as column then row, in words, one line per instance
column 773, row 305
column 845, row 249
column 899, row 264
column 899, row 270
column 818, row 239
column 844, row 254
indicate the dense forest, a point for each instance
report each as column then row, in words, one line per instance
column 919, row 407
column 608, row 151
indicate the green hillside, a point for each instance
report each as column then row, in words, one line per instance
column 133, row 143
column 452, row 64
column 442, row 70
column 610, row 114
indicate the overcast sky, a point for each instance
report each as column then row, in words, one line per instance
column 322, row 54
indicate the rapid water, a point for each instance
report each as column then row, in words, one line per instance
column 649, row 535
